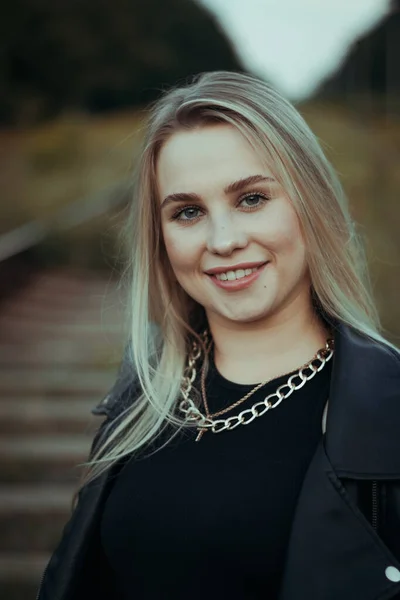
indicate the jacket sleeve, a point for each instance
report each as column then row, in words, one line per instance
column 78, row 564
column 78, row 568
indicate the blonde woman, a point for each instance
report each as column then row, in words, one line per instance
column 251, row 444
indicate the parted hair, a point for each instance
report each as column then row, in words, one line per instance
column 162, row 319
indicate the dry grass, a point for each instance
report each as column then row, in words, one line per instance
column 366, row 154
column 64, row 161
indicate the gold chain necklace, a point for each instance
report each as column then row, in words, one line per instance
column 208, row 420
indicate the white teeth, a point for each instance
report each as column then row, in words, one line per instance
column 232, row 275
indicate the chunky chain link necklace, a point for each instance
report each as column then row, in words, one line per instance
column 209, row 422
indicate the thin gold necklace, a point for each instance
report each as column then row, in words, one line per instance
column 324, row 353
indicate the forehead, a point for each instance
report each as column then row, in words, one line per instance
column 206, row 157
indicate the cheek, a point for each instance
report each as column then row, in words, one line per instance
column 180, row 250
column 284, row 239
column 283, row 234
column 171, row 246
column 291, row 240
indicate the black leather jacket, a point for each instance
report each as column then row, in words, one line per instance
column 345, row 538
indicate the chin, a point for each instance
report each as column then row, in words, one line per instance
column 248, row 316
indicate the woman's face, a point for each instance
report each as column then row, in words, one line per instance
column 222, row 209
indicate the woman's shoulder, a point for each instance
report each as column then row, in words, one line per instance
column 366, row 358
column 364, row 405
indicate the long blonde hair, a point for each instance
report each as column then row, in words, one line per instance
column 336, row 260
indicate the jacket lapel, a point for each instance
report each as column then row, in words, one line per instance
column 363, row 424
column 334, row 552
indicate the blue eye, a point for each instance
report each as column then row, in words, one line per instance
column 178, row 215
column 260, row 197
column 186, row 214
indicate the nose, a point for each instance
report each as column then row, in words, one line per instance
column 225, row 236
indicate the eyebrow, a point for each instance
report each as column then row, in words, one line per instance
column 235, row 186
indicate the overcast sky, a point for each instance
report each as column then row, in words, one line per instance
column 295, row 43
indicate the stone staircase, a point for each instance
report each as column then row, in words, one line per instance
column 60, row 345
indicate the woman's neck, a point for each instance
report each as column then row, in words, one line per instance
column 250, row 356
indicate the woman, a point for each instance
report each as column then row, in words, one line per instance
column 221, row 470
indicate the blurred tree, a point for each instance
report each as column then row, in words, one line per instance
column 371, row 68
column 98, row 55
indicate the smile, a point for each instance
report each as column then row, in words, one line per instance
column 237, row 280
column 232, row 275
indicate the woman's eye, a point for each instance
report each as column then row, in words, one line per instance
column 191, row 213
column 254, row 200
column 186, row 214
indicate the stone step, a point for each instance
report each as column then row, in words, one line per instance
column 55, row 295
column 36, row 298
column 45, row 459
column 12, row 325
column 35, row 499
column 72, row 281
column 17, row 566
column 33, row 398
column 64, row 308
column 47, row 381
column 46, row 416
column 51, row 353
column 47, row 316
column 32, row 517
column 89, row 304
column 60, row 288
column 38, row 448
column 20, row 575
column 91, row 312
column 60, row 348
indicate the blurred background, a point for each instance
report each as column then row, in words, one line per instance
column 75, row 80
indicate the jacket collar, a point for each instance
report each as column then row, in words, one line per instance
column 363, row 422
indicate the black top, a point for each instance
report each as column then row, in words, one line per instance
column 212, row 519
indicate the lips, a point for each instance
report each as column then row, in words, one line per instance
column 242, row 266
column 242, row 283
